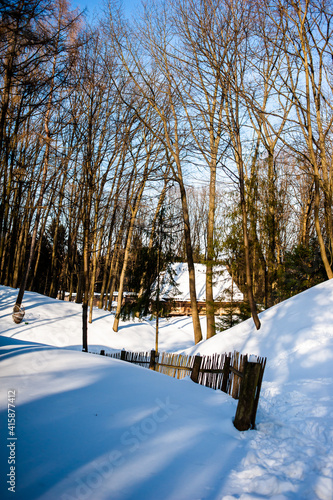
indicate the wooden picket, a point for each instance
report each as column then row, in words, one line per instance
column 219, row 371
column 175, row 365
column 138, row 358
column 211, row 371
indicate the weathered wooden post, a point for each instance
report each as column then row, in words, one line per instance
column 226, row 372
column 102, row 353
column 152, row 363
column 85, row 326
column 123, row 355
column 262, row 362
column 196, row 369
column 247, row 397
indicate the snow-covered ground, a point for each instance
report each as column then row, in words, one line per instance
column 89, row 427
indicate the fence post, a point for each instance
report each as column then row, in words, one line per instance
column 102, row 353
column 152, row 363
column 226, row 372
column 256, row 401
column 246, row 403
column 123, row 355
column 196, row 369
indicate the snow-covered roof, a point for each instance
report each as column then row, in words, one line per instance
column 125, row 294
column 174, row 283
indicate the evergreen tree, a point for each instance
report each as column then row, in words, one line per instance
column 303, row 268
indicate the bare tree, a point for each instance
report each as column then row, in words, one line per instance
column 157, row 88
column 143, row 163
column 306, row 31
column 203, row 50
column 233, row 81
column 52, row 37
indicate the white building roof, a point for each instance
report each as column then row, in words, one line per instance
column 224, row 289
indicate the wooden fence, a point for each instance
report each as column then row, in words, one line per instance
column 223, row 372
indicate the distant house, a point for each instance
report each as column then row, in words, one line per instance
column 128, row 298
column 175, row 293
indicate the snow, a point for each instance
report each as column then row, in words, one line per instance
column 90, row 427
column 179, row 291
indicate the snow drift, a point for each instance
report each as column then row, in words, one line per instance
column 89, row 427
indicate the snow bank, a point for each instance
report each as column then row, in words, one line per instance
column 58, row 323
column 90, row 427
column 292, row 453
column 295, row 335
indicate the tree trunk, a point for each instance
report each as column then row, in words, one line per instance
column 85, row 285
column 54, row 259
column 126, row 256
column 249, row 286
column 210, row 308
column 122, row 277
column 191, row 269
column 151, row 240
column 271, row 227
column 35, row 230
column 321, row 242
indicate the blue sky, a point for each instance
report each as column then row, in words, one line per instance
column 96, row 5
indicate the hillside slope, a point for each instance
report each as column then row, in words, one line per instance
column 89, row 427
column 295, row 335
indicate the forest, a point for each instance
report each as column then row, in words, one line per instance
column 198, row 131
